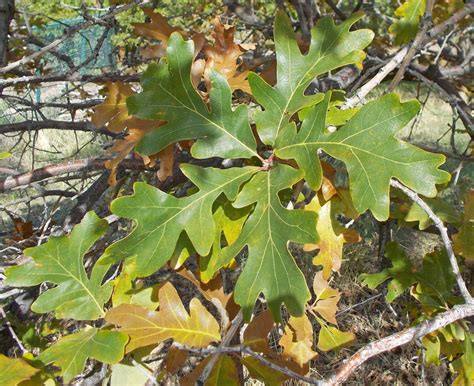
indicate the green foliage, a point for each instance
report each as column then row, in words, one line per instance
column 266, row 233
column 60, row 261
column 71, row 352
column 161, row 218
column 409, row 14
column 331, row 47
column 222, row 132
column 366, row 144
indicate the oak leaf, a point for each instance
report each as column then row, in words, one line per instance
column 331, row 47
column 77, row 295
column 223, row 56
column 171, row 321
column 71, row 352
column 161, row 218
column 297, row 340
column 463, row 240
column 326, row 299
column 368, row 147
column 270, row 268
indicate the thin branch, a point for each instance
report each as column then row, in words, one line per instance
column 53, row 170
column 444, row 235
column 398, row 58
column 399, row 339
column 52, row 124
column 234, row 328
column 71, row 31
column 426, row 22
column 244, row 350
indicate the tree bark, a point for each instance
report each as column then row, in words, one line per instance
column 6, row 15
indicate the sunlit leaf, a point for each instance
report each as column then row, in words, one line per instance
column 77, row 295
column 14, row 370
column 172, row 321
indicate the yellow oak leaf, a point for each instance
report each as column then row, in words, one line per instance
column 197, row 328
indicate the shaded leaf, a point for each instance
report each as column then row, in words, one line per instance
column 157, row 28
column 160, row 217
column 270, row 268
column 220, row 132
column 71, row 352
column 409, row 15
column 258, row 370
column 175, row 359
column 297, row 340
column 401, row 273
column 257, row 331
column 224, row 372
column 331, row 47
column 368, row 147
column 77, row 295
column 445, row 211
column 463, row 240
column 171, row 321
column 464, row 365
column 14, row 370
column 432, row 345
column 214, row 292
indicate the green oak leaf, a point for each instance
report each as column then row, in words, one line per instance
column 368, row 147
column 435, row 293
column 270, row 269
column 60, row 261
column 71, row 352
column 443, row 209
column 168, row 94
column 332, row 46
column 331, row 338
column 409, row 14
column 160, row 218
column 402, row 273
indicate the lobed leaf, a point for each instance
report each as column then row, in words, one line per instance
column 169, row 95
column 60, row 261
column 71, row 352
column 371, row 152
column 160, row 217
column 14, row 370
column 332, row 46
column 409, row 15
column 270, row 268
column 172, row 321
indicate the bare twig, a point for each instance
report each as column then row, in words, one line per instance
column 399, row 339
column 82, row 165
column 12, row 331
column 52, row 124
column 71, row 31
column 398, row 58
column 444, row 235
column 234, row 328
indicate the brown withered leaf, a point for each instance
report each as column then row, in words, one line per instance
column 297, row 340
column 257, row 331
column 175, row 359
column 158, row 28
column 23, row 229
column 212, row 291
column 331, row 239
column 223, row 56
column 198, row 328
column 326, row 298
column 113, row 110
